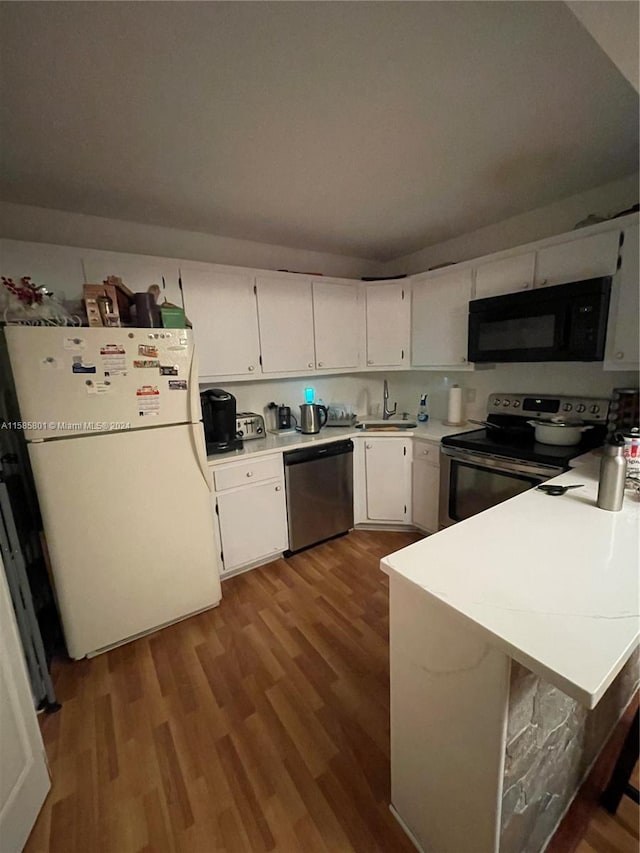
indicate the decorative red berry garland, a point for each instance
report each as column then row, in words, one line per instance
column 27, row 292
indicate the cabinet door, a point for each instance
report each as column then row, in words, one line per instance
column 586, row 257
column 426, row 486
column 24, row 776
column 138, row 272
column 506, row 275
column 622, row 332
column 388, row 478
column 253, row 524
column 222, row 308
column 440, row 319
column 285, row 317
column 337, row 319
column 388, row 325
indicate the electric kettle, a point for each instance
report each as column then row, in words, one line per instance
column 312, row 418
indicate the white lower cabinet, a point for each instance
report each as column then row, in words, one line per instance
column 252, row 517
column 426, row 485
column 387, row 480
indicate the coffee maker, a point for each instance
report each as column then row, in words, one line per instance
column 219, row 421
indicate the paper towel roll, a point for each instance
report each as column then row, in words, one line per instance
column 454, row 412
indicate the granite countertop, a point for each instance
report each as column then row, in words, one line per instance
column 552, row 580
column 433, row 431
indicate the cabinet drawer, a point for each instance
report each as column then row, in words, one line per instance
column 424, row 451
column 246, row 473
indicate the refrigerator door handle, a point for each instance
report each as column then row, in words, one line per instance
column 194, row 416
column 195, row 411
column 198, row 447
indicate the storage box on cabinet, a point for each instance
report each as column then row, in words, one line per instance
column 426, row 485
column 251, row 511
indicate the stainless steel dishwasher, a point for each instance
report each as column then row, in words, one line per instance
column 319, row 482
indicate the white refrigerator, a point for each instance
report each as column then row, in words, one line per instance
column 113, row 423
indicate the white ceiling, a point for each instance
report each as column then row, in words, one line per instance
column 368, row 129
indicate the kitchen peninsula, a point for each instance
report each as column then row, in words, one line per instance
column 512, row 657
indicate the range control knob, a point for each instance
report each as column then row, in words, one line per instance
column 567, row 407
column 497, row 402
column 506, row 403
column 594, row 409
column 516, row 404
column 581, row 408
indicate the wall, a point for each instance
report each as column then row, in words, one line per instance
column 552, row 742
column 42, row 225
column 364, row 390
column 537, row 224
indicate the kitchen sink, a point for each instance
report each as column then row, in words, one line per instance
column 392, row 424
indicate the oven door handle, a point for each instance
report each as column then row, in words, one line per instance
column 502, row 464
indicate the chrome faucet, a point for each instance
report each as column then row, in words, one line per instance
column 386, row 411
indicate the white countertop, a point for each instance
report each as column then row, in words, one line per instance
column 433, row 431
column 552, row 580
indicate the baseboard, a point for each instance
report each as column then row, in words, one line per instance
column 406, row 830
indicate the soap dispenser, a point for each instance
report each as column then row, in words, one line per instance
column 423, row 411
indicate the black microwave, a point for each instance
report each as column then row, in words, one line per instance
column 567, row 322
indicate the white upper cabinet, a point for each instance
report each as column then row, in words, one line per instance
column 622, row 332
column 285, row 317
column 138, row 272
column 439, row 319
column 585, row 257
column 506, row 275
column 222, row 308
column 388, row 324
column 338, row 323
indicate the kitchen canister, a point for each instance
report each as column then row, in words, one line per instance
column 613, row 471
column 454, row 409
column 632, row 452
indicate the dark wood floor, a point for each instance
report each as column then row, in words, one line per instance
column 262, row 725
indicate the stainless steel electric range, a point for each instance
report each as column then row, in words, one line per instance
column 483, row 467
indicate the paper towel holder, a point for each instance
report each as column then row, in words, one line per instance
column 451, row 408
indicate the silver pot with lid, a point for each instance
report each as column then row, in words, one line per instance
column 564, row 432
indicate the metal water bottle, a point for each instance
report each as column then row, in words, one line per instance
column 613, row 471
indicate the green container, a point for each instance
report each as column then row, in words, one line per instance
column 172, row 317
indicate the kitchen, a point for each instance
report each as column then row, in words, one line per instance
column 409, row 331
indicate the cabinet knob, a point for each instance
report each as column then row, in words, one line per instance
column 310, row 364
column 251, row 368
column 526, row 285
column 463, row 359
column 619, row 355
column 249, row 473
column 321, row 364
column 367, row 447
column 543, row 282
column 370, row 361
column 425, row 452
column 278, row 488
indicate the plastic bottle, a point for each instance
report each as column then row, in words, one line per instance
column 423, row 411
column 613, row 471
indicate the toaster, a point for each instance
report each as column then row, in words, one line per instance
column 249, row 425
